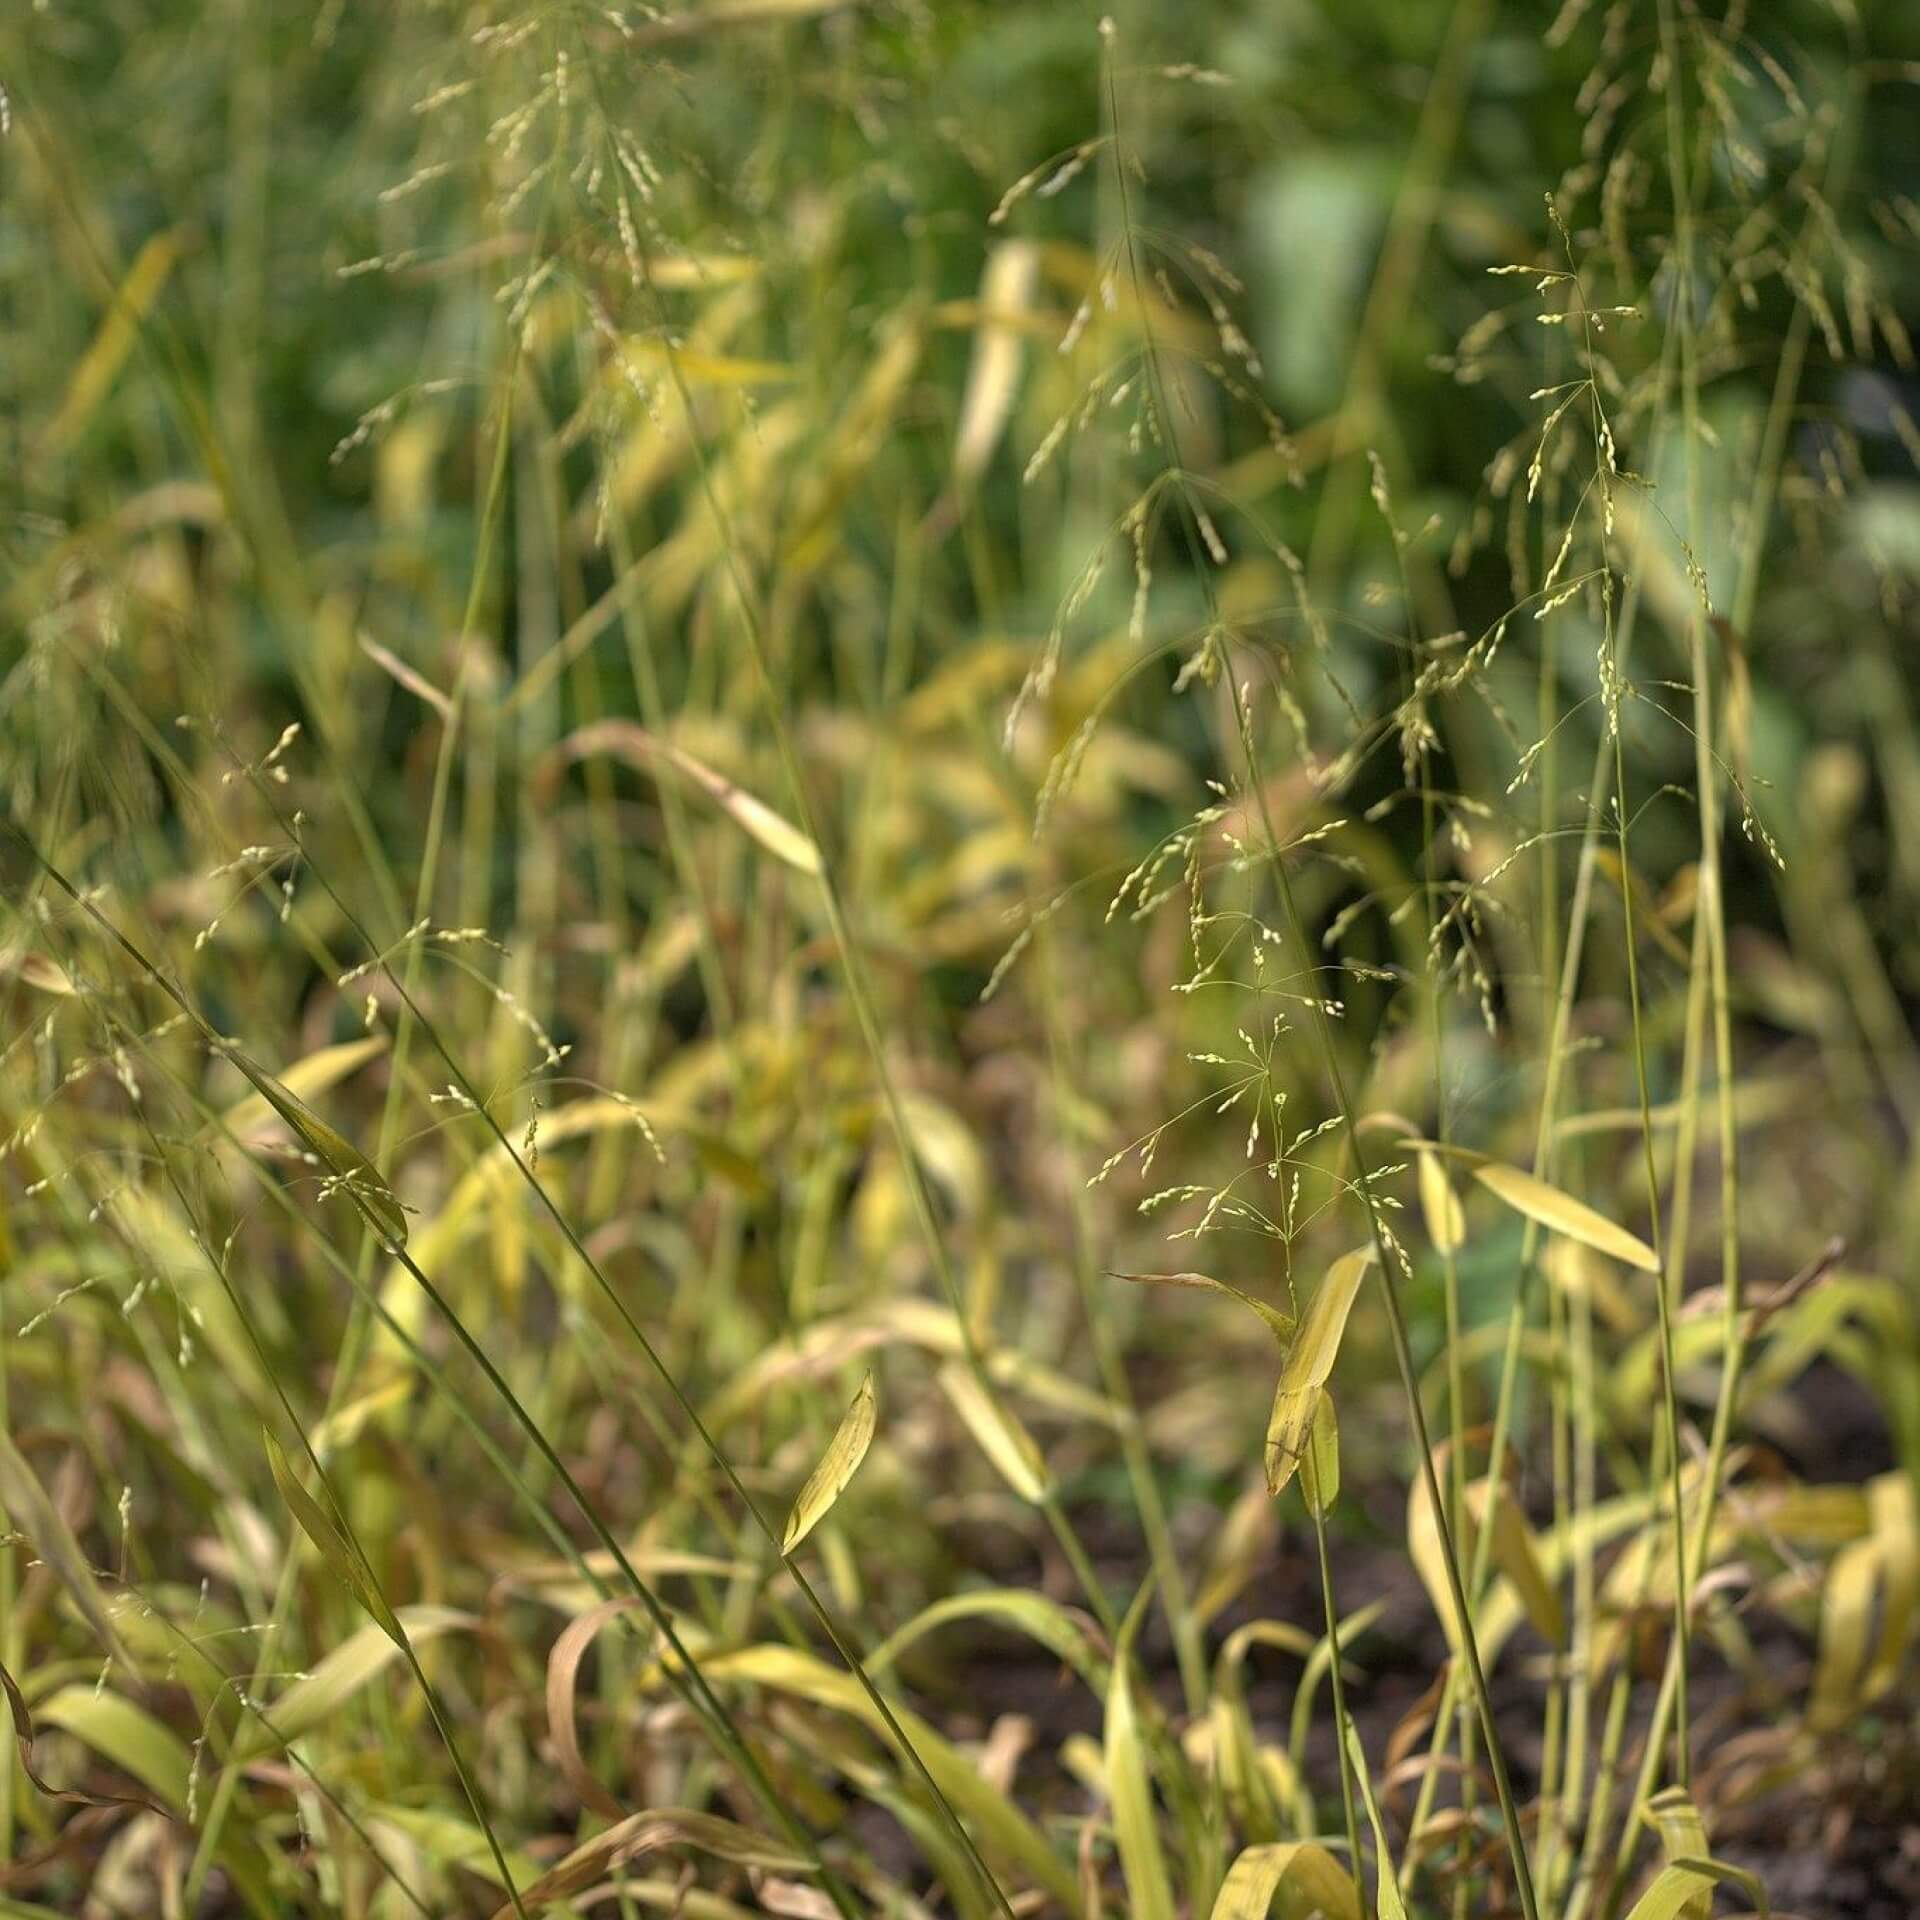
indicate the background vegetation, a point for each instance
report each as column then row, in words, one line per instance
column 807, row 806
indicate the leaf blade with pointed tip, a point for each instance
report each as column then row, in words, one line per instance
column 1001, row 1437
column 628, row 741
column 335, row 1549
column 1560, row 1213
column 838, row 1465
column 351, row 1168
column 1279, row 1324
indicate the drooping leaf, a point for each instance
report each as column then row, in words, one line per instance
column 31, row 1510
column 1279, row 1324
column 1003, row 1830
column 627, row 741
column 355, row 1174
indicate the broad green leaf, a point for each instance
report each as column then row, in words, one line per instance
column 644, row 1833
column 1279, row 1324
column 1561, row 1213
column 1309, row 1361
column 352, row 1665
column 838, row 1465
column 1302, row 1875
column 335, row 1548
column 993, row 1424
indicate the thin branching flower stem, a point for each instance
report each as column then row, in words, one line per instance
column 1296, row 932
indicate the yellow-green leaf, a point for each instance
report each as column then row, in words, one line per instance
column 340, row 1554
column 994, row 1425
column 1518, row 1557
column 355, row 1663
column 1305, row 1877
column 993, row 377
column 1003, row 1830
column 315, row 1073
column 1386, row 1894
column 119, row 328
column 31, row 1510
column 350, row 1168
column 1676, row 1893
column 1440, row 1206
column 1136, row 1828
column 838, row 1465
column 1561, row 1213
column 634, row 744
column 127, row 1735
column 1320, row 1470
column 1309, row 1361
column 1279, row 1324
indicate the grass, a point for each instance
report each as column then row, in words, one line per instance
column 910, row 1011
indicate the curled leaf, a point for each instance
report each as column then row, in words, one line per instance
column 1279, row 1324
column 23, row 1736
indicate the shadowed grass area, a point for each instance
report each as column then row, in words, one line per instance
column 958, row 960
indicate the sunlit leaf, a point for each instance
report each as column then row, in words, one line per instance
column 1561, row 1213
column 838, row 1465
column 1309, row 1361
